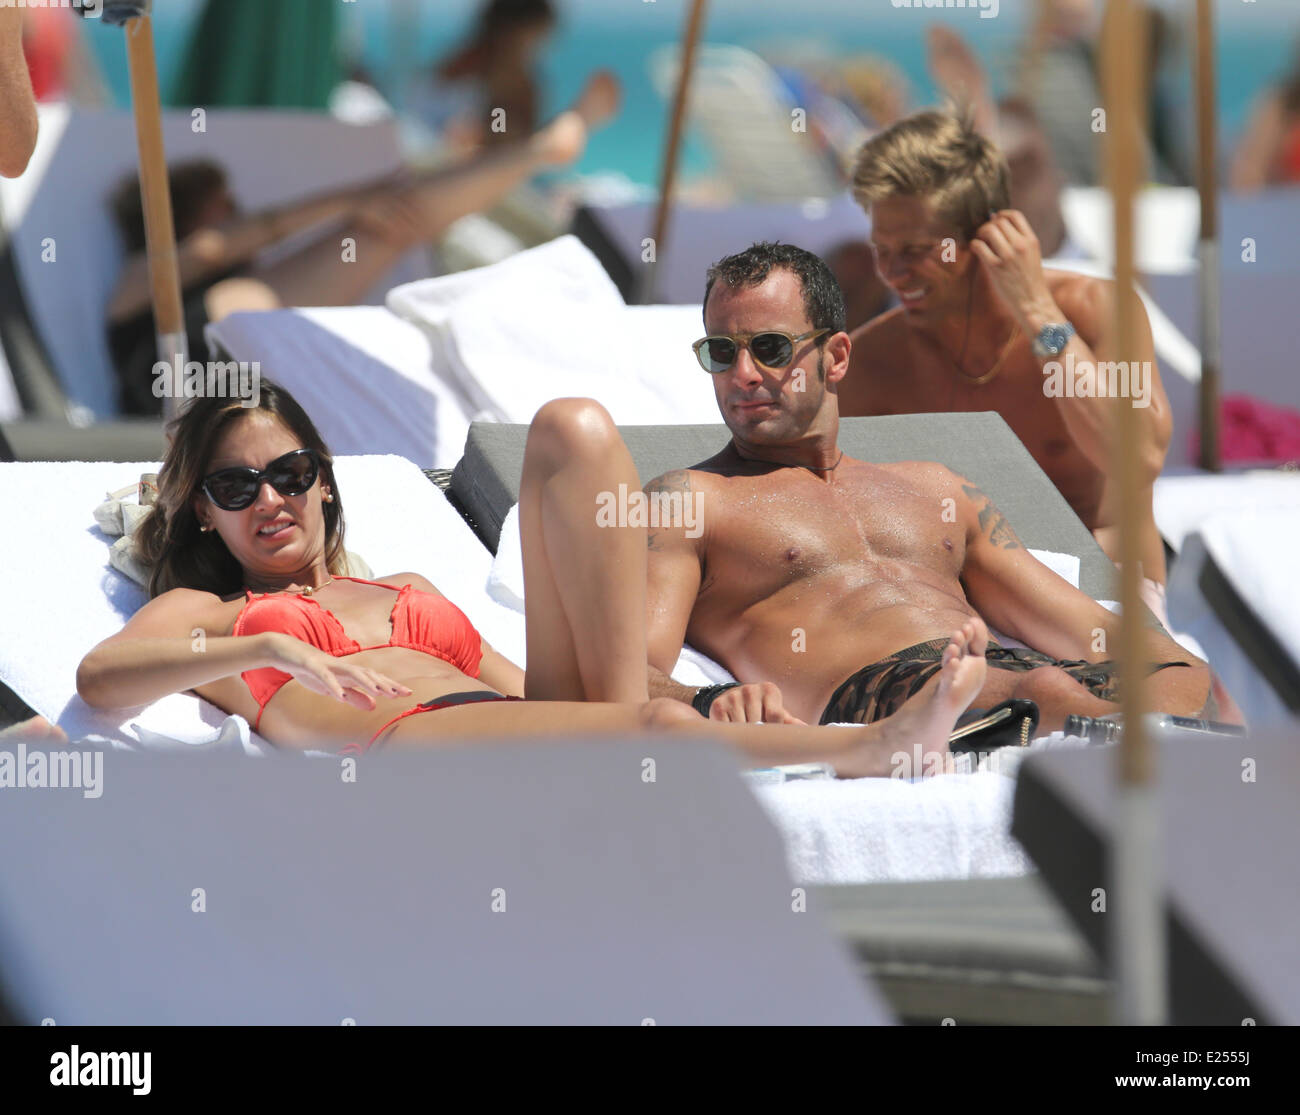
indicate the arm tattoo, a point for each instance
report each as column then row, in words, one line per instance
column 678, row 480
column 992, row 521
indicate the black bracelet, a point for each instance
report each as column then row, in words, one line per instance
column 704, row 698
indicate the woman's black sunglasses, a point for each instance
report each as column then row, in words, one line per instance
column 772, row 349
column 233, row 489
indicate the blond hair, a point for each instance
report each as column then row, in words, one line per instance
column 939, row 158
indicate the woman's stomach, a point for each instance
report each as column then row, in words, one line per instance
column 298, row 717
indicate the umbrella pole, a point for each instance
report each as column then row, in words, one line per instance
column 155, row 192
column 668, row 177
column 1208, row 248
column 1137, row 928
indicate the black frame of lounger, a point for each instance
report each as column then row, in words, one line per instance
column 13, row 709
column 1079, row 849
column 1270, row 659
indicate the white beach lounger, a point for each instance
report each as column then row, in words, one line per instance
column 63, row 598
column 533, row 885
column 67, row 254
column 1232, row 585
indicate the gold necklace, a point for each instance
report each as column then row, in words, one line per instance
column 306, row 590
column 997, row 364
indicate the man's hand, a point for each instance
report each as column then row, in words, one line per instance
column 757, row 702
column 1008, row 249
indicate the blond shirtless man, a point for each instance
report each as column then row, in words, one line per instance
column 983, row 326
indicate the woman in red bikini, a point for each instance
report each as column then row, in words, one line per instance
column 246, row 546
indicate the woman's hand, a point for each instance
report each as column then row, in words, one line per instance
column 329, row 676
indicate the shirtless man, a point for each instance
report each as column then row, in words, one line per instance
column 830, row 584
column 982, row 326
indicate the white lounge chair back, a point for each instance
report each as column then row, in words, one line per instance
column 67, row 250
column 1168, row 222
column 744, row 110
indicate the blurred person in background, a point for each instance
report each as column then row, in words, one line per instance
column 219, row 246
column 1269, row 151
column 494, row 72
column 1060, row 76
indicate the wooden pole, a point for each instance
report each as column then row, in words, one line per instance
column 1208, row 248
column 155, row 193
column 672, row 153
column 1137, row 926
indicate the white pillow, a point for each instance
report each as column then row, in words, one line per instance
column 548, row 323
column 562, row 268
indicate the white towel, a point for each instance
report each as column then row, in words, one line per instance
column 871, row 830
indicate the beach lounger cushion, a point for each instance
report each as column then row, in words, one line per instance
column 548, row 323
column 979, row 446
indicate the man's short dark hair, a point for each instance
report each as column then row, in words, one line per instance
column 822, row 299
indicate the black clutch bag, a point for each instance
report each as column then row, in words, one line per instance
column 1010, row 724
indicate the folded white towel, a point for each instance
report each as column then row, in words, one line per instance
column 870, row 830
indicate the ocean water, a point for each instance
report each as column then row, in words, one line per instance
column 1254, row 45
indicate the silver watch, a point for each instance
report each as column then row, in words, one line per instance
column 1052, row 338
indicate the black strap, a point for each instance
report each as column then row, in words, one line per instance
column 704, row 698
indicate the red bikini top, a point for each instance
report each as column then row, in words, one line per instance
column 420, row 621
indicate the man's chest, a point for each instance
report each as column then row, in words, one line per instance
column 1016, row 393
column 799, row 530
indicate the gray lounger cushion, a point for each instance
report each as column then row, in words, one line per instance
column 980, row 446
column 1228, row 828
column 977, row 951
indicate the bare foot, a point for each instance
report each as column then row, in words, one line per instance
column 916, row 736
column 563, row 140
column 35, row 730
column 599, row 99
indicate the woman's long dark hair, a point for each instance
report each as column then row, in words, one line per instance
column 169, row 540
column 494, row 18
